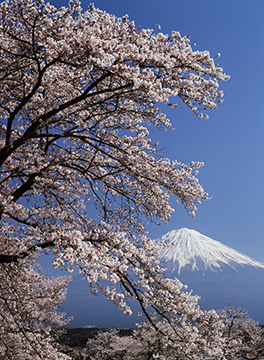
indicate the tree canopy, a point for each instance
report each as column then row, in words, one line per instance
column 79, row 94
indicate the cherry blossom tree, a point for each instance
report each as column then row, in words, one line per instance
column 111, row 346
column 242, row 338
column 147, row 344
column 79, row 94
column 144, row 344
column 245, row 338
column 28, row 312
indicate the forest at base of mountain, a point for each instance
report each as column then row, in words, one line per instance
column 78, row 337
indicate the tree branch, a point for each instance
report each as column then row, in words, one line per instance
column 7, row 259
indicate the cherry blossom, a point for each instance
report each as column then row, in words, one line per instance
column 244, row 336
column 79, row 95
column 28, row 308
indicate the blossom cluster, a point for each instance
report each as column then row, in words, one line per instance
column 29, row 316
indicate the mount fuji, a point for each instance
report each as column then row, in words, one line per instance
column 216, row 272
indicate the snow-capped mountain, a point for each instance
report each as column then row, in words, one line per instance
column 216, row 272
column 187, row 247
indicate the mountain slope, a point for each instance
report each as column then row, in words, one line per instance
column 216, row 272
column 189, row 247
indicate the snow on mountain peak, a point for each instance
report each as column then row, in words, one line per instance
column 188, row 247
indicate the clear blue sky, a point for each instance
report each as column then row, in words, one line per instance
column 231, row 142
